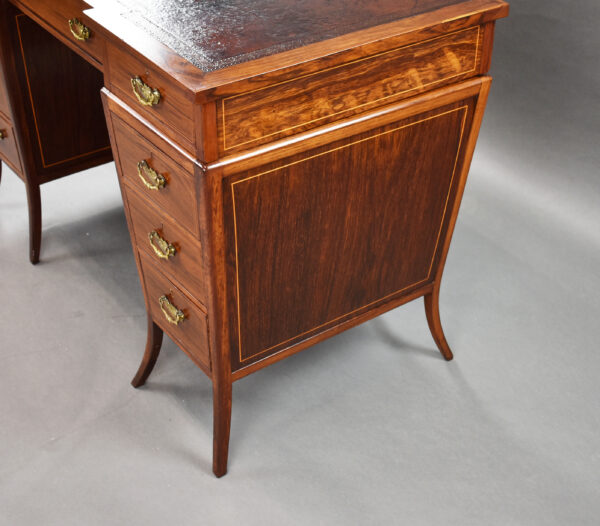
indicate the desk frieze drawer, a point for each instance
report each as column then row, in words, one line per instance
column 162, row 181
column 67, row 20
column 8, row 145
column 284, row 108
column 174, row 311
column 152, row 95
column 171, row 248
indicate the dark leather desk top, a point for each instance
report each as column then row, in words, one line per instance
column 214, row 34
column 205, row 45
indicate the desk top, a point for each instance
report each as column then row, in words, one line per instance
column 214, row 34
column 205, row 44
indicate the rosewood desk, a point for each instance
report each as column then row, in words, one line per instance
column 288, row 169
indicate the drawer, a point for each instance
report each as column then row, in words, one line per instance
column 140, row 158
column 172, row 249
column 75, row 28
column 191, row 333
column 174, row 109
column 8, row 145
column 295, row 105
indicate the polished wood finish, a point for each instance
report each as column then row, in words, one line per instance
column 278, row 150
column 178, row 197
column 174, row 113
column 54, row 16
column 192, row 333
column 312, row 243
column 153, row 345
column 57, row 118
column 53, row 102
column 432, row 21
column 432, row 311
column 285, row 108
column 34, row 205
column 186, row 264
column 212, row 86
column 306, row 174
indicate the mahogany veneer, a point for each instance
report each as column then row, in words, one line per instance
column 308, row 101
column 178, row 197
column 281, row 183
column 185, row 263
column 55, row 109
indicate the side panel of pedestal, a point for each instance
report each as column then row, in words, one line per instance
column 352, row 223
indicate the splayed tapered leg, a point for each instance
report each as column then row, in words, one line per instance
column 35, row 221
column 153, row 345
column 222, row 390
column 432, row 310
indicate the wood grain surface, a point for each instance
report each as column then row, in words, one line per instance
column 146, row 46
column 192, row 333
column 61, row 90
column 178, row 197
column 186, row 265
column 276, row 111
column 54, row 17
column 314, row 168
column 326, row 234
column 174, row 112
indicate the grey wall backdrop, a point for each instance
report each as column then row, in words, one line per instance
column 507, row 434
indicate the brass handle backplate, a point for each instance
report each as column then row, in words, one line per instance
column 172, row 313
column 2, row 135
column 151, row 178
column 80, row 32
column 145, row 94
column 162, row 248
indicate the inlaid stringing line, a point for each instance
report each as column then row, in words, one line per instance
column 443, row 79
column 242, row 360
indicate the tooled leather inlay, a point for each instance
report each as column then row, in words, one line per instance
column 214, row 34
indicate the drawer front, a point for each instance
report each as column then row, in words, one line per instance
column 175, row 252
column 177, row 197
column 66, row 17
column 284, row 108
column 8, row 145
column 174, row 110
column 191, row 334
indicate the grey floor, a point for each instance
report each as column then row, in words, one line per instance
column 372, row 426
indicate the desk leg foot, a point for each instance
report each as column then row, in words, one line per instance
column 221, row 425
column 432, row 310
column 153, row 345
column 35, row 221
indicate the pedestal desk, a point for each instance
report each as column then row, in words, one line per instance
column 288, row 169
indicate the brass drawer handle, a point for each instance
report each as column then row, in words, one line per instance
column 145, row 94
column 80, row 32
column 3, row 135
column 162, row 248
column 172, row 313
column 151, row 178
